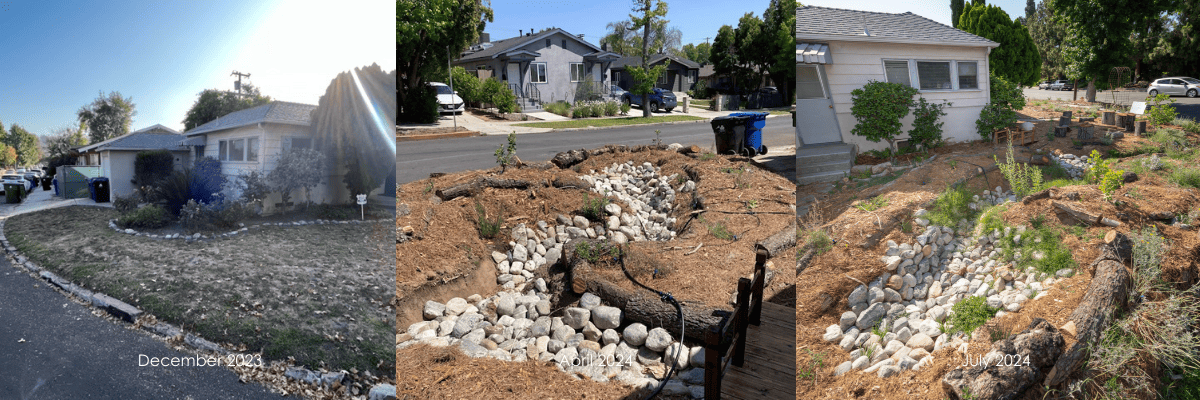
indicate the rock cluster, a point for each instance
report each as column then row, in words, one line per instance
column 990, row 198
column 112, row 224
column 648, row 198
column 910, row 305
column 1076, row 166
column 590, row 339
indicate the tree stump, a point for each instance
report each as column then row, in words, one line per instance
column 1125, row 121
column 1087, row 119
column 1066, row 114
column 1064, row 121
column 1085, row 131
column 1108, row 118
column 1061, row 130
column 1106, row 294
column 1139, row 128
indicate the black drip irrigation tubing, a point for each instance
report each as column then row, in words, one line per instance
column 666, row 297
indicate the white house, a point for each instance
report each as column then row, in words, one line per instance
column 256, row 138
column 116, row 156
column 839, row 50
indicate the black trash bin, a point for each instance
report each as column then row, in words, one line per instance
column 729, row 132
column 46, row 180
column 13, row 192
column 99, row 188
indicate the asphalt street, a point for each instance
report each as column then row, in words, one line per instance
column 54, row 348
column 1186, row 107
column 416, row 160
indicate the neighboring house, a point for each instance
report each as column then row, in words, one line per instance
column 542, row 67
column 116, row 156
column 724, row 83
column 839, row 50
column 256, row 138
column 681, row 75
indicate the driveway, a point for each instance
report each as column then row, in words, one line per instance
column 1186, row 107
column 416, row 160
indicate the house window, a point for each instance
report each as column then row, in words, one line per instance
column 244, row 149
column 968, row 75
column 296, row 142
column 662, row 78
column 934, row 75
column 897, row 72
column 547, row 42
column 808, row 83
column 564, row 43
column 537, row 73
column 577, row 73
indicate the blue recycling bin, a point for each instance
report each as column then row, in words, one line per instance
column 755, row 121
column 54, row 182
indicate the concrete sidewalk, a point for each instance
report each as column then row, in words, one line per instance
column 42, row 200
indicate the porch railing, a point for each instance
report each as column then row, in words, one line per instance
column 726, row 342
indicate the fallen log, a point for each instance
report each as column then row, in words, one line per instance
column 992, row 378
column 639, row 305
column 569, row 158
column 1035, row 197
column 570, row 183
column 780, row 241
column 1039, row 159
column 1106, row 294
column 478, row 184
column 1082, row 216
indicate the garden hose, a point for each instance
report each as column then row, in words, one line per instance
column 665, row 297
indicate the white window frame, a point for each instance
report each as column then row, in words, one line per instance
column 662, row 78
column 914, row 77
column 286, row 145
column 225, row 149
column 582, row 72
column 535, row 73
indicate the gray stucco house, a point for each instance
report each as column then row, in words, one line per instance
column 542, row 67
column 681, row 75
column 116, row 156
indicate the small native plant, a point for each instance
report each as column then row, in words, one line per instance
column 873, row 204
column 970, row 313
column 878, row 107
column 927, row 125
column 593, row 207
column 951, row 206
column 816, row 362
column 1024, row 179
column 593, row 254
column 151, row 216
column 488, row 227
column 507, row 155
column 1187, row 124
column 1186, row 177
column 1160, row 113
column 817, row 239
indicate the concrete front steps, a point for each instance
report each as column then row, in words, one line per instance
column 823, row 162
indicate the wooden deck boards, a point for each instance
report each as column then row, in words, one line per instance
column 770, row 368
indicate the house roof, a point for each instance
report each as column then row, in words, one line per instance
column 623, row 62
column 156, row 137
column 824, row 23
column 503, row 46
column 707, row 71
column 277, row 112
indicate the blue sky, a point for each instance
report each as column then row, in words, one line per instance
column 696, row 19
column 56, row 57
column 938, row 10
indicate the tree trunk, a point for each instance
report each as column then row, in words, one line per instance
column 1106, row 294
column 780, row 241
column 478, row 184
column 1085, row 131
column 1110, row 118
column 1091, row 92
column 1139, row 128
column 1082, row 216
column 1125, row 121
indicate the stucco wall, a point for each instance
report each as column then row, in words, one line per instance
column 855, row 63
column 120, row 168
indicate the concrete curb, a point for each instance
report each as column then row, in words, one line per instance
column 131, row 315
column 593, row 128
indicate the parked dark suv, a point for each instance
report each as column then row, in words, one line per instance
column 660, row 99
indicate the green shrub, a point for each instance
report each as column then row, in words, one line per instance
column 559, row 107
column 467, row 85
column 420, row 106
column 611, row 108
column 1187, row 124
column 201, row 217
column 593, row 207
column 499, row 95
column 1000, row 112
column 1159, row 113
column 151, row 166
column 927, row 126
column 1186, row 177
column 970, row 313
column 1170, row 138
column 624, row 109
column 1109, row 184
column 878, row 107
column 505, row 155
column 299, row 169
column 951, row 206
column 175, row 190
column 1024, row 179
column 148, row 217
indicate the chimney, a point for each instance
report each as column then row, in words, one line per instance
column 530, row 31
column 485, row 37
column 580, row 36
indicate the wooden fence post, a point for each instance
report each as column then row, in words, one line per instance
column 741, row 319
column 712, row 363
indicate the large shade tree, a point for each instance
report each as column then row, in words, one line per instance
column 63, row 140
column 352, row 125
column 26, row 144
column 213, row 103
column 1017, row 58
column 1098, row 34
column 779, row 31
column 108, row 116
column 649, row 16
column 698, row 52
column 1049, row 38
column 428, row 32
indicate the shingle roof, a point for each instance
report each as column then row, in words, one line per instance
column 623, row 62
column 505, row 45
column 835, row 23
column 278, row 112
column 140, row 140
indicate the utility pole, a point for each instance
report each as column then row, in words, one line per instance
column 238, row 85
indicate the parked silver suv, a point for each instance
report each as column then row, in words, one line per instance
column 1175, row 86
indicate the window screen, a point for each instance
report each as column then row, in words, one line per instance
column 897, row 72
column 934, row 75
column 576, row 72
column 252, row 149
column 968, row 75
column 808, row 83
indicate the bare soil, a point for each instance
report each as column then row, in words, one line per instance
column 830, row 276
column 318, row 293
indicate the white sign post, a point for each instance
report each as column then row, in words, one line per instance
column 362, row 201
column 1138, row 107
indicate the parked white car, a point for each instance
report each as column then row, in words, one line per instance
column 1175, row 86
column 447, row 99
column 15, row 179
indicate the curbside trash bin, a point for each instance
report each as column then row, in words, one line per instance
column 54, row 182
column 46, row 183
column 729, row 133
column 13, row 192
column 754, row 123
column 98, row 188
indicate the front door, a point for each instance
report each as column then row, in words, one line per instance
column 816, row 120
column 514, row 78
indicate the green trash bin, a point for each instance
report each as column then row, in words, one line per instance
column 13, row 193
